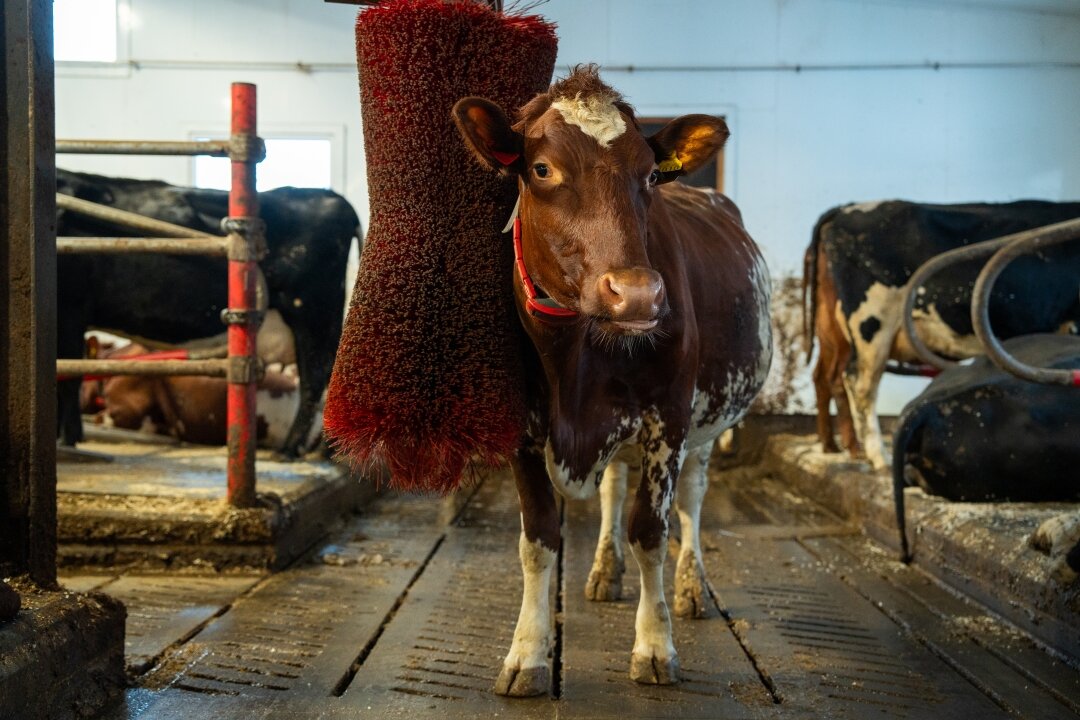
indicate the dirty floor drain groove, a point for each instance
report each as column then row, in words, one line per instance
column 744, row 643
column 346, row 679
column 173, row 647
column 914, row 634
column 560, row 571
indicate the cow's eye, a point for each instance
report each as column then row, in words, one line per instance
column 541, row 170
column 654, row 177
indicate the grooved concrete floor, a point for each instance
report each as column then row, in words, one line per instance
column 409, row 609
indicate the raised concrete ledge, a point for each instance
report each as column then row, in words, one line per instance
column 62, row 656
column 981, row 549
column 163, row 507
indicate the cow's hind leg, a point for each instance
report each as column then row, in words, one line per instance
column 871, row 330
column 605, row 578
column 653, row 660
column 692, row 597
column 525, row 670
column 823, row 393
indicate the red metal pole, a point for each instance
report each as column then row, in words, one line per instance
column 243, row 203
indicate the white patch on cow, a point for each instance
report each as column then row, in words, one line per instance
column 863, row 207
column 572, row 488
column 595, row 115
column 883, row 302
column 762, row 297
column 533, row 635
column 659, row 460
column 938, row 336
column 605, row 576
column 275, row 342
column 690, row 588
column 584, row 486
column 653, row 623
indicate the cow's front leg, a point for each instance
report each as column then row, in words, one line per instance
column 605, row 578
column 525, row 670
column 692, row 597
column 654, row 660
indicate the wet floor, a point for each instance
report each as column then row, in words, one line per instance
column 408, row 610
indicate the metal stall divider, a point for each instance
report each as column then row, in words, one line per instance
column 1004, row 250
column 243, row 245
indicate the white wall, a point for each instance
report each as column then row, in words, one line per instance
column 867, row 117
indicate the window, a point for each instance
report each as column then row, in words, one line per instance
column 85, row 31
column 301, row 162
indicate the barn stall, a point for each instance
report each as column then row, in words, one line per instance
column 330, row 600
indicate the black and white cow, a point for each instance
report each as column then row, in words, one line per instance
column 977, row 433
column 174, row 299
column 872, row 249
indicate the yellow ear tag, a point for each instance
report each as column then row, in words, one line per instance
column 671, row 164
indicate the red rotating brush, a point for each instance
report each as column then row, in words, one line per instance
column 428, row 374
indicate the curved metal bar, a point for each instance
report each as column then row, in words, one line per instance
column 1019, row 244
column 931, row 267
column 957, row 255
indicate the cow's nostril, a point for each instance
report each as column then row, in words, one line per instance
column 610, row 295
column 633, row 293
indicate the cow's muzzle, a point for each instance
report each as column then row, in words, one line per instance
column 632, row 299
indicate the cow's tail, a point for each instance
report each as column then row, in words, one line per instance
column 809, row 284
column 907, row 425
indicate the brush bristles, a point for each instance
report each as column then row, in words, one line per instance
column 428, row 374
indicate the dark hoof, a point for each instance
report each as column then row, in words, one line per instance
column 523, row 682
column 602, row 587
column 654, row 670
column 830, row 447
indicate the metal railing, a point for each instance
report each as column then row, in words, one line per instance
column 1004, row 250
column 242, row 246
column 1021, row 244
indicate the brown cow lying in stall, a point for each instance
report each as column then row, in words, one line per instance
column 189, row 408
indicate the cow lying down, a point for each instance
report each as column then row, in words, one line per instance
column 977, row 433
column 192, row 408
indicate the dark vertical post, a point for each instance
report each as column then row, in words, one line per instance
column 27, row 293
column 243, row 321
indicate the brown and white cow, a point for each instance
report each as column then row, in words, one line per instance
column 191, row 408
column 647, row 306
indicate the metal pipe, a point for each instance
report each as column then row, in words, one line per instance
column 79, row 368
column 168, row 246
column 243, row 276
column 932, row 267
column 914, row 285
column 215, row 148
column 1021, row 243
column 127, row 219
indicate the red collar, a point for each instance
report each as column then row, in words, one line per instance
column 545, row 309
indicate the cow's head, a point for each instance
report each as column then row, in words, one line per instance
column 587, row 177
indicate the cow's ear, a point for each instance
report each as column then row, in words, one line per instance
column 687, row 143
column 488, row 134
